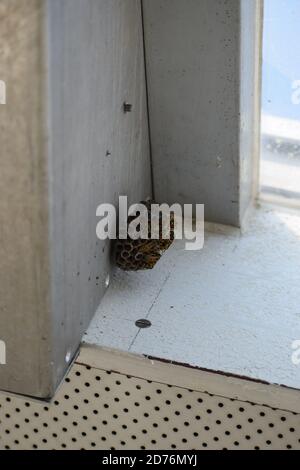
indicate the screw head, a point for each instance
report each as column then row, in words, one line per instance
column 127, row 107
column 143, row 323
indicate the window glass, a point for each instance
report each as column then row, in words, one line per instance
column 280, row 162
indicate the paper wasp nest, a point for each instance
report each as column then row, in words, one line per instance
column 141, row 254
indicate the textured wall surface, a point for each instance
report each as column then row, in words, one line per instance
column 66, row 147
column 96, row 151
column 24, row 283
column 193, row 52
column 250, row 101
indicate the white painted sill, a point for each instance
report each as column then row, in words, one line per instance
column 234, row 307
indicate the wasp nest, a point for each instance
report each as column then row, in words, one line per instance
column 142, row 254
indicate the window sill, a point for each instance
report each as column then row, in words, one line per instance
column 233, row 307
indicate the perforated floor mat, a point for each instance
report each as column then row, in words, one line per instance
column 95, row 409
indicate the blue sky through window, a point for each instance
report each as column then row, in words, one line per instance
column 280, row 150
column 281, row 67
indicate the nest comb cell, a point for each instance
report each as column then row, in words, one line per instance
column 143, row 254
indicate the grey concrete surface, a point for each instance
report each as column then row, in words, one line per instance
column 203, row 73
column 66, row 147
